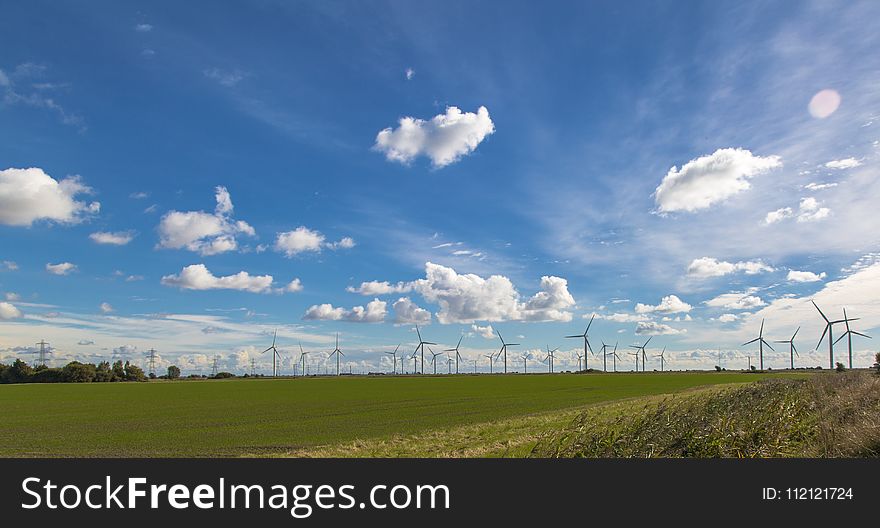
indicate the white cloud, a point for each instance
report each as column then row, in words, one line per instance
column 669, row 304
column 8, row 265
column 811, row 211
column 706, row 267
column 139, row 195
column 410, row 73
column 727, row 318
column 294, row 286
column 444, row 139
column 29, row 195
column 119, row 238
column 408, row 312
column 847, row 163
column 487, row 332
column 710, row 179
column 303, row 239
column 736, row 301
column 143, row 28
column 374, row 312
column 106, row 308
column 652, row 328
column 198, row 277
column 201, row 232
column 224, row 77
column 12, row 297
column 777, row 215
column 62, row 268
column 8, row 311
column 372, row 288
column 468, row 298
column 813, row 186
column 623, row 317
column 804, row 276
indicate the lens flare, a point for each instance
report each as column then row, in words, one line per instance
column 824, row 103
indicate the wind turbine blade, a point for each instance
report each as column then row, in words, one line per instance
column 264, row 351
column 569, row 337
column 820, row 311
column 795, row 333
column 750, row 342
column 768, row 344
column 590, row 323
column 762, row 328
column 860, row 334
column 396, row 348
column 648, row 341
column 827, row 326
column 499, row 337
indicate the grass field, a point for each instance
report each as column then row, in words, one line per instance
column 316, row 416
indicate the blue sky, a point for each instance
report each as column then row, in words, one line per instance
column 678, row 169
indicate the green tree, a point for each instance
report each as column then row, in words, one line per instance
column 76, row 372
column 118, row 371
column 19, row 372
column 103, row 372
column 134, row 373
column 839, row 367
column 173, row 372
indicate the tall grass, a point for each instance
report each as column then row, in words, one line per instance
column 823, row 416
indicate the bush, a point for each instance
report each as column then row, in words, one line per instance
column 223, row 375
column 839, row 367
column 173, row 372
column 47, row 375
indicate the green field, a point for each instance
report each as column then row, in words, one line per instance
column 266, row 417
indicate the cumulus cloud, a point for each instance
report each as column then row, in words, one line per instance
column 846, row 163
column 669, row 304
column 408, row 312
column 736, row 301
column 706, row 267
column 106, row 308
column 373, row 288
column 303, row 239
column 62, row 268
column 707, row 180
column 294, row 286
column 468, row 298
column 813, row 186
column 8, row 311
column 727, row 318
column 811, row 211
column 486, row 332
column 409, row 73
column 201, row 232
column 653, row 328
column 374, row 312
column 623, row 317
column 30, row 195
column 8, row 265
column 85, row 342
column 143, row 28
column 119, row 238
column 198, row 277
column 779, row 214
column 12, row 297
column 804, row 276
column 444, row 139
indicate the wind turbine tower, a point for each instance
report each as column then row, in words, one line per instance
column 275, row 355
column 337, row 352
column 421, row 346
column 457, row 355
column 792, row 350
column 504, row 350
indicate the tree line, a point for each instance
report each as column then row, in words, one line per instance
column 76, row 372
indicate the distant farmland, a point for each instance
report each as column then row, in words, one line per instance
column 266, row 417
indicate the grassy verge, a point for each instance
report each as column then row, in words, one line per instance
column 821, row 416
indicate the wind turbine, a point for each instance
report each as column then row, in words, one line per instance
column 644, row 355
column 394, row 354
column 448, row 365
column 457, row 355
column 275, row 355
column 491, row 360
column 504, row 350
column 662, row 356
column 615, row 357
column 761, row 342
column 636, row 354
column 848, row 334
column 337, row 352
column 525, row 358
column 792, row 350
column 550, row 357
column 302, row 357
column 415, row 358
column 829, row 329
column 579, row 358
column 586, row 340
column 434, row 358
column 421, row 346
column 605, row 356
